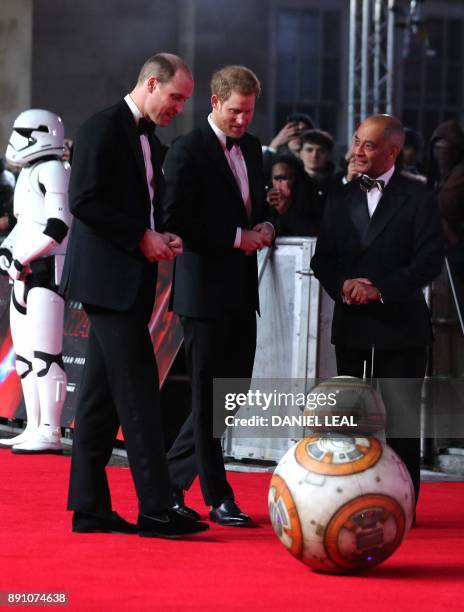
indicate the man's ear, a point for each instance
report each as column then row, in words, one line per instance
column 152, row 82
column 395, row 151
column 214, row 101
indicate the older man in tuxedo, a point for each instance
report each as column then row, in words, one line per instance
column 111, row 266
column 380, row 243
column 215, row 200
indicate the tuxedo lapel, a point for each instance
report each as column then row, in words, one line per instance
column 157, row 157
column 251, row 171
column 356, row 201
column 390, row 202
column 215, row 151
column 127, row 120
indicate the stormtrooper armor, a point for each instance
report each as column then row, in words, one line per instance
column 33, row 255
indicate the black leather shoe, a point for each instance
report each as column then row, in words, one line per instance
column 171, row 524
column 229, row 514
column 181, row 508
column 101, row 522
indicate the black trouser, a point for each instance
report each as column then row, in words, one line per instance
column 120, row 387
column 214, row 349
column 401, row 398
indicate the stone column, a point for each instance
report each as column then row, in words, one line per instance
column 15, row 63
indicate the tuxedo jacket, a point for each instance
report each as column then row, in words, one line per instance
column 109, row 197
column 400, row 249
column 203, row 204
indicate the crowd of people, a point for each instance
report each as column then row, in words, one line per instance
column 304, row 154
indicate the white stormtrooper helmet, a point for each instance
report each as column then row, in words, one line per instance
column 36, row 133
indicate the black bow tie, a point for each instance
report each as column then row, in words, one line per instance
column 230, row 142
column 146, row 127
column 367, row 183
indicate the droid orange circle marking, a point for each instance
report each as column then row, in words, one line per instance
column 364, row 518
column 356, row 457
column 284, row 515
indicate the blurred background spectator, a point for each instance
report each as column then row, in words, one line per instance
column 316, row 155
column 287, row 140
column 413, row 151
column 346, row 173
column 292, row 198
column 68, row 145
column 289, row 137
column 446, row 176
column 410, row 161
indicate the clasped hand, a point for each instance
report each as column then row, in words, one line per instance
column 359, row 291
column 156, row 246
column 255, row 239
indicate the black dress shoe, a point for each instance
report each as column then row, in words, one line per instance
column 171, row 524
column 101, row 522
column 229, row 514
column 181, row 508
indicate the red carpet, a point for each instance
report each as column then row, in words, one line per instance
column 226, row 569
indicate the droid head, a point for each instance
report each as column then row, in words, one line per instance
column 346, row 405
column 36, row 133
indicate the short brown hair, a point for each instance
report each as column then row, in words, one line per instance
column 319, row 137
column 234, row 78
column 163, row 66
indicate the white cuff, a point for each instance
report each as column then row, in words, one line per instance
column 238, row 238
column 273, row 228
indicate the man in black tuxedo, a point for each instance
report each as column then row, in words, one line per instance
column 380, row 243
column 215, row 200
column 111, row 267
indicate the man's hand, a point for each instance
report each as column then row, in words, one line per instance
column 267, row 232
column 155, row 246
column 359, row 291
column 289, row 131
column 251, row 241
column 175, row 243
column 279, row 199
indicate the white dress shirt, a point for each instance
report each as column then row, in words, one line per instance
column 238, row 167
column 146, row 154
column 374, row 194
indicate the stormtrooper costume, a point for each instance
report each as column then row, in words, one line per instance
column 33, row 255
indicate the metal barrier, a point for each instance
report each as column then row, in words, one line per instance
column 288, row 338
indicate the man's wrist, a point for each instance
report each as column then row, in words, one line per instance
column 272, row 228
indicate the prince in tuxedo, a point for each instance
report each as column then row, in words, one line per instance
column 111, row 267
column 379, row 244
column 215, row 200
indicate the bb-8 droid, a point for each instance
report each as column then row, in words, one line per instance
column 341, row 504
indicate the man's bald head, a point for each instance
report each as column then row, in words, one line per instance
column 377, row 143
column 163, row 66
column 392, row 127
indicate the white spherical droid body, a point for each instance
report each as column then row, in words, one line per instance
column 33, row 256
column 342, row 503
